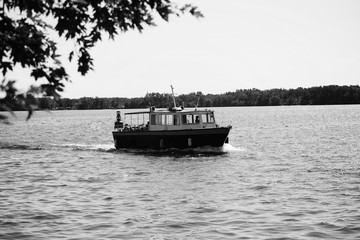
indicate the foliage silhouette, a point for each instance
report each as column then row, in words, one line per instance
column 25, row 38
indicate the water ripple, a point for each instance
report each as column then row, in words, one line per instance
column 274, row 182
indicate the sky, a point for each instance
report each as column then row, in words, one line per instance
column 239, row 44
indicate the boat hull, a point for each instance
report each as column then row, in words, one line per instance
column 180, row 139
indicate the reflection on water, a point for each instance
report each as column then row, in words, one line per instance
column 289, row 172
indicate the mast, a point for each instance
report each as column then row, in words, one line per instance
column 172, row 90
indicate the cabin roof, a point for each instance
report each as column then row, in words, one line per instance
column 159, row 111
column 131, row 113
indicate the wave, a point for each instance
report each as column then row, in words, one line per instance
column 90, row 147
column 175, row 152
column 12, row 146
column 230, row 148
column 206, row 150
column 71, row 146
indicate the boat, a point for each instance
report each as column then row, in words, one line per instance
column 175, row 127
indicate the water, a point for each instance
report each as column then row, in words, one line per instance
column 288, row 173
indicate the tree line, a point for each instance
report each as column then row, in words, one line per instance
column 323, row 95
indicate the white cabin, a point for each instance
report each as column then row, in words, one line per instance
column 170, row 119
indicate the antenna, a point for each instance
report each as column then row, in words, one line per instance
column 172, row 90
column 197, row 104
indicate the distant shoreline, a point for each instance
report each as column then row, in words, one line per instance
column 323, row 95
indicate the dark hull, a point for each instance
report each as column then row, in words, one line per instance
column 179, row 139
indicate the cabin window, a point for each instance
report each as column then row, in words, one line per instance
column 208, row 118
column 176, row 120
column 153, row 119
column 157, row 119
column 190, row 119
column 169, row 119
column 183, row 117
column 161, row 119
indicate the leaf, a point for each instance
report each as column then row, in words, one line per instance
column 84, row 62
column 30, row 113
column 196, row 12
column 71, row 55
column 5, row 66
column 39, row 73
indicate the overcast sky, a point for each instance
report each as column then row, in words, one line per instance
column 239, row 44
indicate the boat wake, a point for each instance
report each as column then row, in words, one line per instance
column 200, row 151
column 230, row 148
column 91, row 147
column 70, row 146
column 109, row 148
column 11, row 146
column 226, row 148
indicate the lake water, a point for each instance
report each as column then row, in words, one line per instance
column 288, row 173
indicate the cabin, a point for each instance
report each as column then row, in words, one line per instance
column 170, row 119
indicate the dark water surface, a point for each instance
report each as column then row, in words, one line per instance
column 288, row 173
